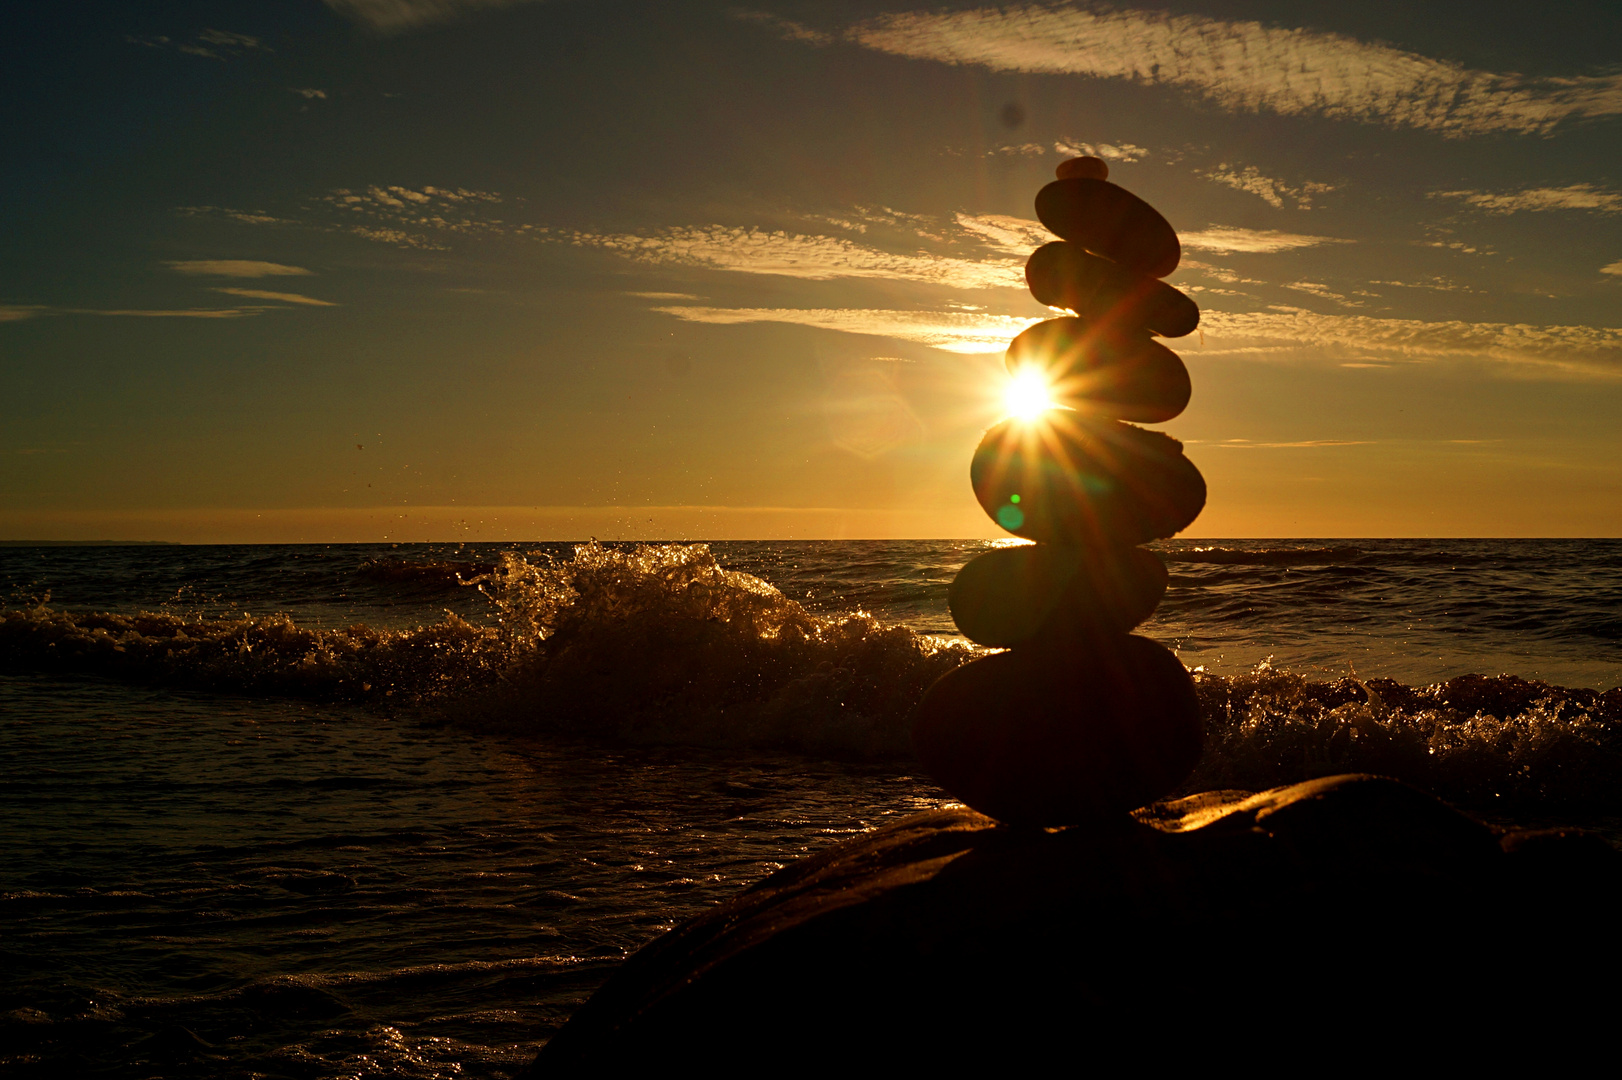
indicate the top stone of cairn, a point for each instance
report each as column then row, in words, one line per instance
column 1110, row 221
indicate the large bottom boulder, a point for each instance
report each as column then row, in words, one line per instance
column 1348, row 916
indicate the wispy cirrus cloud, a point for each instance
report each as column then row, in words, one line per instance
column 19, row 312
column 1271, row 191
column 280, row 297
column 1246, row 444
column 169, row 313
column 949, row 331
column 392, row 16
column 1013, row 236
column 1108, row 151
column 813, row 258
column 236, row 268
column 1613, row 268
column 214, row 44
column 1243, row 66
column 1252, row 241
column 1570, row 197
column 1585, row 351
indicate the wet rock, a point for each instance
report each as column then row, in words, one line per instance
column 1014, row 596
column 1112, row 222
column 1059, row 733
column 1062, row 275
column 1349, row 916
column 1093, row 370
column 1064, row 478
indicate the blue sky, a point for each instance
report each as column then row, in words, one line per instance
column 425, row 269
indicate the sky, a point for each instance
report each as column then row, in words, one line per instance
column 364, row 270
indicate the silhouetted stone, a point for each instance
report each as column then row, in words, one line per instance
column 1124, row 376
column 1062, row 275
column 1016, row 595
column 1348, row 915
column 1064, row 478
column 1112, row 222
column 1083, row 168
column 1053, row 735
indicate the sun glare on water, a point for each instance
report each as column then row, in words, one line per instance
column 1027, row 395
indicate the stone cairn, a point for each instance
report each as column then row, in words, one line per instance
column 1079, row 720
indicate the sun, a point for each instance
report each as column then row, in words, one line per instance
column 1027, row 395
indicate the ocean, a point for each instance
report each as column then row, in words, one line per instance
column 396, row 810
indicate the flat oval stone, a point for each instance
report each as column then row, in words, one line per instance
column 1063, row 275
column 1089, row 168
column 1045, row 737
column 1112, row 222
column 1064, row 478
column 1087, row 368
column 1015, row 595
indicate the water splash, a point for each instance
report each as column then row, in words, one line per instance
column 661, row 644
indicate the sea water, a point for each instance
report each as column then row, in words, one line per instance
column 352, row 810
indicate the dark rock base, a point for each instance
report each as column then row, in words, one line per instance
column 1350, row 917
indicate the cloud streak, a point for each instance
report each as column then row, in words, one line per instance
column 1243, row 66
column 392, row 16
column 950, row 331
column 1571, row 197
column 1573, row 350
column 236, row 268
column 281, row 297
column 813, row 258
column 1252, row 241
column 1272, row 192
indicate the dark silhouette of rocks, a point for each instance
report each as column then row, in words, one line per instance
column 1066, row 276
column 1343, row 917
column 1065, row 478
column 1062, row 731
column 1051, row 592
column 1079, row 721
column 1112, row 222
column 1088, row 368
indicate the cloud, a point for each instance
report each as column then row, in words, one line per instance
column 246, row 217
column 1571, row 197
column 1273, row 192
column 214, row 44
column 284, row 297
column 1613, row 268
column 392, row 16
column 1243, row 66
column 1573, row 350
column 1264, row 241
column 1320, row 290
column 1124, row 152
column 19, row 312
column 181, row 313
column 953, row 331
column 238, row 268
column 1013, row 236
column 309, row 93
column 814, row 258
column 1246, row 444
column 786, row 29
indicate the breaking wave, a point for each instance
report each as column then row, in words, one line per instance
column 660, row 643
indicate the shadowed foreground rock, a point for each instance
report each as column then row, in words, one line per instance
column 1334, row 918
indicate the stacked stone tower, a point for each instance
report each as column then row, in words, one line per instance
column 1079, row 719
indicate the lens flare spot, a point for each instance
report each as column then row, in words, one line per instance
column 1010, row 516
column 1028, row 394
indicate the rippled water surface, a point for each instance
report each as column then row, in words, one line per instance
column 331, row 861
